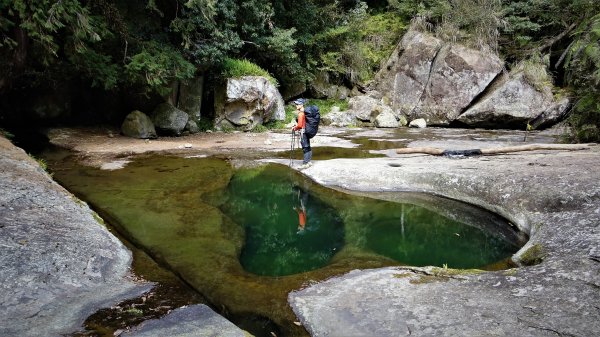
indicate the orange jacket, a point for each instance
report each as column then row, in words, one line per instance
column 301, row 121
column 301, row 218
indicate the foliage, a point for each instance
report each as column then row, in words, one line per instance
column 243, row 67
column 583, row 64
column 158, row 65
column 535, row 71
column 325, row 105
column 472, row 22
column 359, row 48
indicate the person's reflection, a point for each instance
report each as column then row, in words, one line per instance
column 300, row 207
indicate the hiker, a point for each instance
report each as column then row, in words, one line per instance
column 301, row 207
column 308, row 124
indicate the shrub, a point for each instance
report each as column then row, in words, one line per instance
column 243, row 67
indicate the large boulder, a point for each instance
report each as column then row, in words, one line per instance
column 169, row 120
column 514, row 102
column 428, row 78
column 248, row 101
column 339, row 118
column 362, row 107
column 138, row 125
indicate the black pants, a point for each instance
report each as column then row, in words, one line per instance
column 305, row 142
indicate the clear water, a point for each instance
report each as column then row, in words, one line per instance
column 263, row 201
column 233, row 234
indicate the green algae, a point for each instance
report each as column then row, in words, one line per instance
column 182, row 214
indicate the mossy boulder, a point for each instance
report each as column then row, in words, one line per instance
column 138, row 125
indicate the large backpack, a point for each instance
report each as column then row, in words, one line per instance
column 313, row 117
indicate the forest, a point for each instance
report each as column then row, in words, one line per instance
column 92, row 52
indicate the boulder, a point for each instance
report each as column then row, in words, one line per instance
column 339, row 118
column 192, row 127
column 248, row 101
column 169, row 119
column 553, row 115
column 428, row 78
column 384, row 117
column 138, row 125
column 513, row 102
column 418, row 123
column 362, row 107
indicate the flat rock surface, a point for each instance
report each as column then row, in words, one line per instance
column 554, row 196
column 193, row 321
column 58, row 264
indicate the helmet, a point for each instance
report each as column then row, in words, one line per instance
column 300, row 101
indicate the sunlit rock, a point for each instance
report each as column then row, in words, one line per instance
column 248, row 101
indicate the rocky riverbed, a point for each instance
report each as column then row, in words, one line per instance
column 551, row 195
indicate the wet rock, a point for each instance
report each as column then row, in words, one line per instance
column 195, row 320
column 138, row 125
column 169, row 120
column 58, row 263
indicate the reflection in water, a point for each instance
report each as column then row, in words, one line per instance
column 288, row 230
column 280, row 242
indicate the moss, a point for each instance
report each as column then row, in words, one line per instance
column 449, row 272
column 533, row 255
column 424, row 279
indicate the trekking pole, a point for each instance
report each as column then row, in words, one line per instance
column 292, row 147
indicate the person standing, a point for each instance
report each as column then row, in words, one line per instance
column 305, row 136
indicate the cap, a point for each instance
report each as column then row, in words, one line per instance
column 299, row 101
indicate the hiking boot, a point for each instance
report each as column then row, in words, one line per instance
column 304, row 166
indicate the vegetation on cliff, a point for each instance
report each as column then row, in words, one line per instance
column 143, row 46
